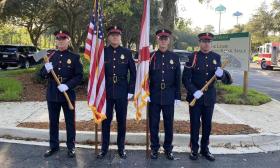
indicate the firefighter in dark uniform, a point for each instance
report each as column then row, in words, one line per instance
column 165, row 77
column 198, row 70
column 69, row 69
column 119, row 89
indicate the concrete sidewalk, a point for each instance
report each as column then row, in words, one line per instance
column 265, row 118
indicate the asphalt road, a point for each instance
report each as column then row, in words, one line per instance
column 266, row 81
column 26, row 156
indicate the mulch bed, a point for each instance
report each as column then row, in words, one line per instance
column 180, row 127
column 33, row 91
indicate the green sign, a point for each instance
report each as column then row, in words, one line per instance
column 236, row 47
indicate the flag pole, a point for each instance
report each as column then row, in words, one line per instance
column 96, row 125
column 96, row 139
column 147, row 132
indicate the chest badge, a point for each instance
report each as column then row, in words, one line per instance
column 69, row 61
column 171, row 62
column 214, row 62
column 122, row 57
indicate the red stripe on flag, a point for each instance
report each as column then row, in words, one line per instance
column 145, row 54
column 143, row 20
column 92, row 76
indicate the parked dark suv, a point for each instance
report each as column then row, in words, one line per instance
column 16, row 55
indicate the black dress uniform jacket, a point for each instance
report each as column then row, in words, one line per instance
column 117, row 62
column 197, row 72
column 69, row 70
column 165, row 77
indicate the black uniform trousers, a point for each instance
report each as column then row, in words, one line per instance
column 69, row 115
column 203, row 113
column 121, row 111
column 154, row 120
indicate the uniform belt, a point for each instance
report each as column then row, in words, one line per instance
column 61, row 79
column 116, row 78
column 163, row 86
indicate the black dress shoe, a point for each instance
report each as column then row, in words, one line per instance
column 50, row 152
column 208, row 155
column 101, row 155
column 122, row 154
column 193, row 156
column 169, row 155
column 71, row 153
column 154, row 154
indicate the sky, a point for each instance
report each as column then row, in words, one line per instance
column 204, row 14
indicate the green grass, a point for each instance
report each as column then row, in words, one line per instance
column 86, row 67
column 231, row 94
column 10, row 89
column 12, row 73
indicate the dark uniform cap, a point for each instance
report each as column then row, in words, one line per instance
column 114, row 30
column 227, row 79
column 62, row 33
column 163, row 32
column 205, row 36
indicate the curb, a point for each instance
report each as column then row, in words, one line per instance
column 140, row 138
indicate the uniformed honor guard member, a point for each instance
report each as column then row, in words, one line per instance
column 198, row 70
column 119, row 89
column 69, row 70
column 165, row 77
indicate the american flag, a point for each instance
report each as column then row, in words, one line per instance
column 142, row 79
column 94, row 52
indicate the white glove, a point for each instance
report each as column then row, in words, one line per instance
column 129, row 96
column 198, row 94
column 177, row 102
column 219, row 72
column 48, row 66
column 62, row 87
column 148, row 99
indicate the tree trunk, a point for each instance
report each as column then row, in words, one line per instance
column 168, row 15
